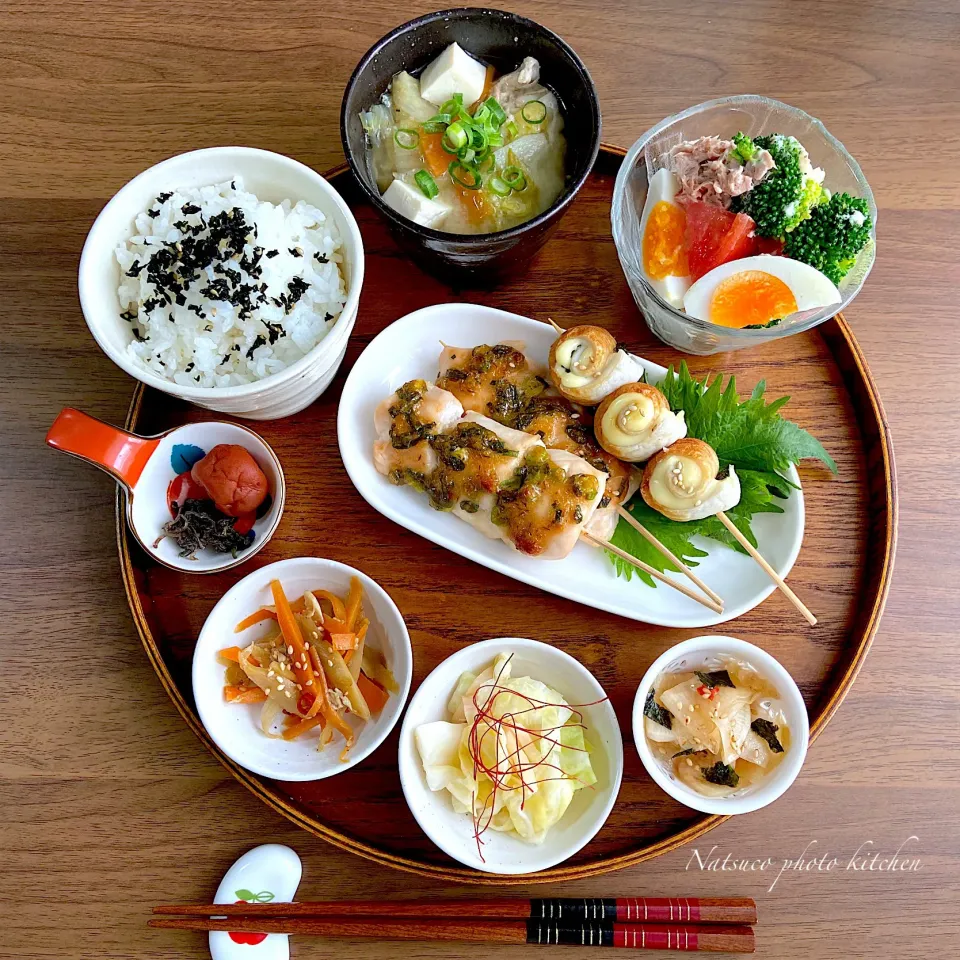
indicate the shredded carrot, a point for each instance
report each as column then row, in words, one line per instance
column 302, row 668
column 361, row 633
column 266, row 613
column 339, row 610
column 353, row 603
column 373, row 693
column 244, row 694
column 301, row 727
column 330, row 715
column 332, row 625
column 343, row 641
column 231, row 653
column 436, row 159
column 260, row 615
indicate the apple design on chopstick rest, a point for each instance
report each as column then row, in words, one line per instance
column 265, row 874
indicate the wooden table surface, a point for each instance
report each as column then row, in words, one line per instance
column 108, row 803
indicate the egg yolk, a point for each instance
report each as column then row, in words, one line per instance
column 664, row 253
column 751, row 297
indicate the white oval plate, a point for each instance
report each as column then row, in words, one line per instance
column 235, row 728
column 506, row 853
column 410, row 348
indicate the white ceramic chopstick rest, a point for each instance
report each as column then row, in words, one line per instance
column 269, row 873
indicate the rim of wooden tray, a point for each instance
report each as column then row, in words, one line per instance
column 837, row 333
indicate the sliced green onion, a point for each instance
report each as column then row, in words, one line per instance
column 513, row 177
column 457, row 172
column 534, row 111
column 512, row 129
column 478, row 138
column 437, row 123
column 426, row 183
column 494, row 140
column 498, row 187
column 482, row 114
column 455, row 138
column 486, row 163
column 407, row 138
column 496, row 111
column 467, row 156
column 454, row 105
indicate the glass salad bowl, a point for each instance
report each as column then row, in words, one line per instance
column 754, row 115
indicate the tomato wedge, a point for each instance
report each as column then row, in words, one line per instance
column 715, row 236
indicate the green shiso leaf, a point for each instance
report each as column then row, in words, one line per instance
column 752, row 436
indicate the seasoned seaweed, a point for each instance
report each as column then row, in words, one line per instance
column 715, row 678
column 721, row 774
column 655, row 712
column 768, row 731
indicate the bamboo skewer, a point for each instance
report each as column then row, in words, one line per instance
column 644, row 532
column 703, row 910
column 686, row 937
column 656, row 574
column 771, row 573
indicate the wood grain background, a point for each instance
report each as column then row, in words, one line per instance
column 109, row 804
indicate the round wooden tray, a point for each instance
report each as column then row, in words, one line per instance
column 843, row 571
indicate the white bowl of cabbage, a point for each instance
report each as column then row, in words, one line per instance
column 549, row 748
column 720, row 725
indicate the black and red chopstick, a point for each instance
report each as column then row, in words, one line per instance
column 652, row 923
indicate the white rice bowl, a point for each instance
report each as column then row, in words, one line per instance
column 185, row 327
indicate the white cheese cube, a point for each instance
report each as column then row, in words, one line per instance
column 454, row 71
column 412, row 204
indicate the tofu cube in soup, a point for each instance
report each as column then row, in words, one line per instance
column 411, row 203
column 454, row 71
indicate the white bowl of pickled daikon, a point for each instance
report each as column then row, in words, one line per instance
column 720, row 725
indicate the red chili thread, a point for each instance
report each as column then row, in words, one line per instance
column 496, row 725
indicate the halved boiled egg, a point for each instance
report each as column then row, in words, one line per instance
column 753, row 291
column 663, row 244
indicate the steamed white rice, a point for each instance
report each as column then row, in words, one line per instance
column 195, row 251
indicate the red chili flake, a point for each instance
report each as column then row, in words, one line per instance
column 708, row 693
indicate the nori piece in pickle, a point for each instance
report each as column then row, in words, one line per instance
column 658, row 714
column 716, row 678
column 767, row 730
column 722, row 775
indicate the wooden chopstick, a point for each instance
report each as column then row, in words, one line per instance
column 770, row 572
column 656, row 574
column 686, row 937
column 644, row 532
column 730, row 910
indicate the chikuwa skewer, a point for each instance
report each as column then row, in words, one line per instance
column 653, row 540
column 770, row 572
column 653, row 572
column 731, row 910
column 599, row 933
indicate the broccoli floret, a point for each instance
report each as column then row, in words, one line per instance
column 743, row 147
column 811, row 194
column 834, row 234
column 767, row 201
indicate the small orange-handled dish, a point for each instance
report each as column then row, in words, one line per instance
column 201, row 497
